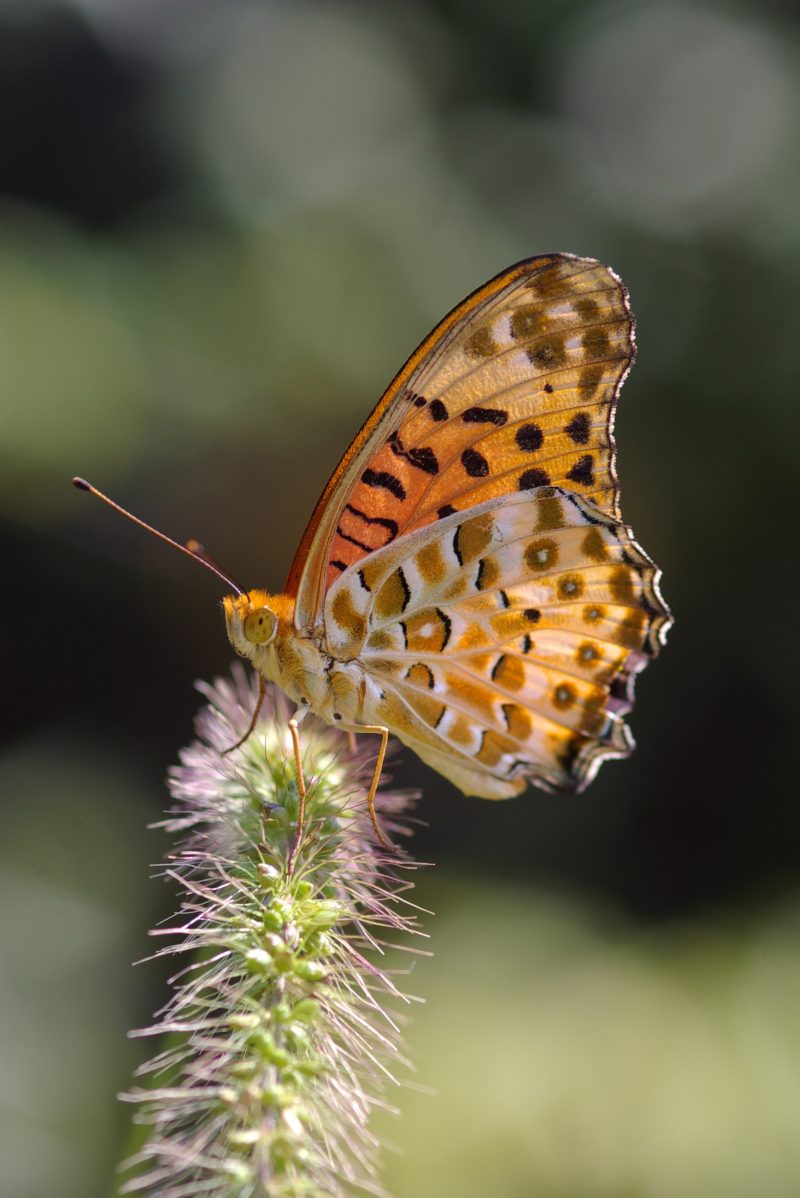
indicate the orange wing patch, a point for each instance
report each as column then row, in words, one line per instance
column 514, row 390
column 526, row 671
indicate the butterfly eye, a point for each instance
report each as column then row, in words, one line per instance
column 259, row 627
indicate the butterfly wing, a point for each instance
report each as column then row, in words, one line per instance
column 502, row 645
column 514, row 389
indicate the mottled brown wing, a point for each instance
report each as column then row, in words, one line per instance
column 515, row 389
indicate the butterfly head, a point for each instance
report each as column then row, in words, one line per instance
column 252, row 620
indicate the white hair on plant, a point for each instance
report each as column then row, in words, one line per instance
column 279, row 1033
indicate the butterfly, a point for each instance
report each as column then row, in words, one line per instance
column 466, row 582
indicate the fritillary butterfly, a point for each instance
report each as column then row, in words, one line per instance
column 465, row 582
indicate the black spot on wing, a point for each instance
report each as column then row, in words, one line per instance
column 437, row 410
column 578, row 428
column 529, row 438
column 353, row 540
column 423, row 458
column 474, row 463
column 382, row 478
column 484, row 416
column 533, row 478
column 391, row 526
column 583, row 471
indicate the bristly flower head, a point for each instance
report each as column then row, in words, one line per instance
column 278, row 1042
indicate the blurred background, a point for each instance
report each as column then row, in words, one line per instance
column 613, row 1008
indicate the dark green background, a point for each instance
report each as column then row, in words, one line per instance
column 223, row 226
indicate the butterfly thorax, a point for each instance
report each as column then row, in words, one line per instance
column 261, row 628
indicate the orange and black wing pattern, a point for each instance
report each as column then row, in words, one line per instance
column 515, row 389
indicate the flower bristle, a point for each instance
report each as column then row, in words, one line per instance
column 281, row 1033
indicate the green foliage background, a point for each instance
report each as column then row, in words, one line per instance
column 223, row 226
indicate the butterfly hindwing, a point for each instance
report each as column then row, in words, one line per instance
column 514, row 390
column 501, row 644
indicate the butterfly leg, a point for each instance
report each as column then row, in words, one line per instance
column 301, row 790
column 383, row 732
column 262, row 690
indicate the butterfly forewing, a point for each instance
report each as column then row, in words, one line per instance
column 514, row 390
column 502, row 644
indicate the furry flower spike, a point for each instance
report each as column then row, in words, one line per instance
column 279, row 1036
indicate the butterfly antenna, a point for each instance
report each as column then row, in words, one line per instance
column 198, row 553
column 198, row 550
